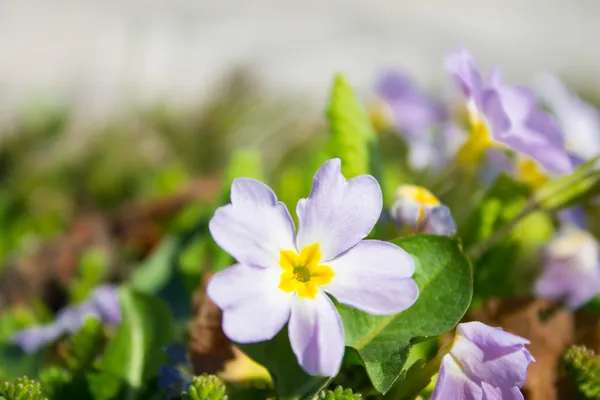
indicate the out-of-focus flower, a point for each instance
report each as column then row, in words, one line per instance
column 483, row 363
column 579, row 120
column 420, row 120
column 417, row 210
column 103, row 305
column 411, row 110
column 506, row 117
column 571, row 264
column 284, row 277
column 175, row 378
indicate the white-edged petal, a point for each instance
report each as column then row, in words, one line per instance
column 338, row 213
column 375, row 277
column 255, row 226
column 317, row 335
column 254, row 308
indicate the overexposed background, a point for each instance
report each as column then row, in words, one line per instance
column 102, row 56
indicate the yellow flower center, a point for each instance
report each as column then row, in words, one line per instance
column 421, row 196
column 529, row 172
column 303, row 272
column 479, row 141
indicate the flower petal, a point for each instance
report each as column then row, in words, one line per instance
column 494, row 393
column 491, row 355
column 106, row 301
column 461, row 65
column 486, row 336
column 338, row 213
column 375, row 277
column 254, row 309
column 33, row 339
column 317, row 335
column 452, row 383
column 255, row 226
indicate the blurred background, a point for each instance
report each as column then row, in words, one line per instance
column 102, row 57
column 103, row 103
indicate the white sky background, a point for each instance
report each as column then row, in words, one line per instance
column 106, row 55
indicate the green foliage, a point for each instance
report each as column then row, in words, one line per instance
column 444, row 276
column 156, row 270
column 508, row 265
column 85, row 345
column 55, row 381
column 575, row 188
column 352, row 135
column 134, row 354
column 93, row 267
column 206, row 387
column 22, row 389
column 583, row 366
column 339, row 394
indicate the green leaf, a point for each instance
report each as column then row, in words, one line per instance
column 290, row 379
column 155, row 272
column 136, row 350
column 445, row 281
column 85, row 345
column 353, row 138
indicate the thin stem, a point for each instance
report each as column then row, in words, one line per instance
column 475, row 252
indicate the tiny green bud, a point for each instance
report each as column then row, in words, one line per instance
column 583, row 366
column 22, row 389
column 339, row 394
column 206, row 387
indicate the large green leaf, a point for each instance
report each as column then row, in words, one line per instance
column 445, row 281
column 136, row 350
column 353, row 138
column 291, row 381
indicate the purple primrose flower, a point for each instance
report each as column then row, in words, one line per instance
column 579, row 120
column 507, row 117
column 103, row 305
column 417, row 210
column 283, row 277
column 571, row 263
column 484, row 363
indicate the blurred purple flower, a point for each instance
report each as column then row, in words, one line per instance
column 417, row 210
column 284, row 277
column 571, row 263
column 579, row 120
column 415, row 116
column 483, row 363
column 103, row 305
column 507, row 117
column 413, row 112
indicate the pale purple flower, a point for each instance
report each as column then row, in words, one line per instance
column 417, row 210
column 103, row 305
column 282, row 276
column 579, row 120
column 418, row 118
column 413, row 111
column 508, row 117
column 571, row 264
column 484, row 363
